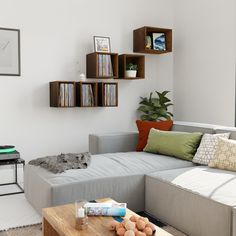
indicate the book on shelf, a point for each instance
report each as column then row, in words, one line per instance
column 71, row 95
column 9, row 156
column 62, row 96
column 105, row 209
column 87, row 95
column 66, row 95
column 105, row 66
column 110, row 96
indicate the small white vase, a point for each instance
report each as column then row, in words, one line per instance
column 130, row 73
column 82, row 77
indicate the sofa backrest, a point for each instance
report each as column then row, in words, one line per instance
column 127, row 141
column 193, row 127
column 113, row 142
column 231, row 130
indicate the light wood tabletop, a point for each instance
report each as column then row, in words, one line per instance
column 60, row 221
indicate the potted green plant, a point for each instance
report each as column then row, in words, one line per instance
column 155, row 108
column 131, row 70
column 154, row 114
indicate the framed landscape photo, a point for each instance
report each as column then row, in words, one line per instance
column 159, row 41
column 10, row 52
column 102, row 44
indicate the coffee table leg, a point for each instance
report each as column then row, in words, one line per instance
column 48, row 230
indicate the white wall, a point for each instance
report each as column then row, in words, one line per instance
column 56, row 35
column 204, row 61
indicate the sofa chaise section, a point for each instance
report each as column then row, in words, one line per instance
column 117, row 175
column 201, row 195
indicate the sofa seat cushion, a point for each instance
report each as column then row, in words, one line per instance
column 218, row 185
column 201, row 195
column 116, row 175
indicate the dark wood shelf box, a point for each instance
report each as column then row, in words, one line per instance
column 107, row 94
column 86, row 94
column 62, row 94
column 125, row 59
column 139, row 39
column 99, row 66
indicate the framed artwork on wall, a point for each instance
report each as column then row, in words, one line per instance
column 102, row 44
column 10, row 52
column 159, row 41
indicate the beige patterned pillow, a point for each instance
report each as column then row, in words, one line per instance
column 207, row 147
column 225, row 155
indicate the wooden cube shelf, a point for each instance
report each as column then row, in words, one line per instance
column 102, row 65
column 107, row 94
column 83, row 94
column 139, row 39
column 86, row 94
column 125, row 59
column 62, row 94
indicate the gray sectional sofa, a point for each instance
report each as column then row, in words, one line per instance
column 197, row 200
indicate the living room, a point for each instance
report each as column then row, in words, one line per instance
column 54, row 44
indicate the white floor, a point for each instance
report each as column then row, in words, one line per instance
column 15, row 210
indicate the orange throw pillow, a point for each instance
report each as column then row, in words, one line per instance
column 144, row 128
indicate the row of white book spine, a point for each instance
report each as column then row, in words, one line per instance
column 105, row 66
column 67, row 95
column 110, row 96
column 87, row 95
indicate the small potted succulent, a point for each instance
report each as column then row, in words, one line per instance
column 131, row 70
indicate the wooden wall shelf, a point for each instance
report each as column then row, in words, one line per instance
column 125, row 59
column 62, row 94
column 139, row 39
column 102, row 65
column 107, row 94
column 67, row 94
column 86, row 94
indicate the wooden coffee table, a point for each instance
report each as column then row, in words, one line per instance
column 60, row 221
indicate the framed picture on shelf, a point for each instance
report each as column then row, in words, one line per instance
column 159, row 41
column 102, row 44
column 10, row 52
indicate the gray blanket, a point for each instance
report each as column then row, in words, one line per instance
column 63, row 162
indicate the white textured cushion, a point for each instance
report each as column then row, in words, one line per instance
column 207, row 147
column 225, row 155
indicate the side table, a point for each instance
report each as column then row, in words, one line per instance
column 14, row 162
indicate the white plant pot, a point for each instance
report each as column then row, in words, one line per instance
column 130, row 73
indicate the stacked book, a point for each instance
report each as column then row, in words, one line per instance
column 105, row 209
column 67, row 95
column 87, row 95
column 110, row 96
column 8, row 153
column 105, row 65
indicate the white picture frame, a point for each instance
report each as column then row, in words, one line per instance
column 10, row 52
column 102, row 44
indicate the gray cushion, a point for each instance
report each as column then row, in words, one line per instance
column 193, row 127
column 118, row 175
column 201, row 195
